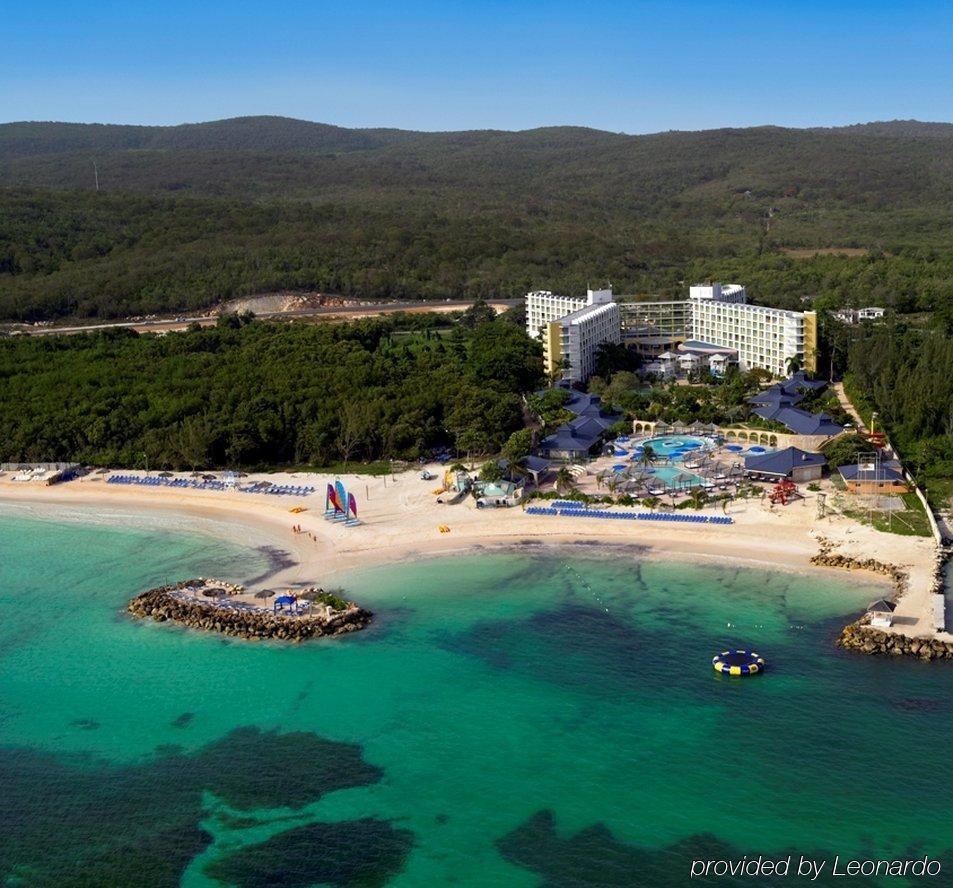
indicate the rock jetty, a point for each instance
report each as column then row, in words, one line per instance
column 328, row 615
column 828, row 557
column 860, row 636
column 863, row 638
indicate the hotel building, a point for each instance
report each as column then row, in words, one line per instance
column 717, row 317
column 572, row 330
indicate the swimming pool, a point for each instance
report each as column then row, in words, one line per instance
column 669, row 475
column 674, row 447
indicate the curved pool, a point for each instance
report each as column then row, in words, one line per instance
column 675, row 447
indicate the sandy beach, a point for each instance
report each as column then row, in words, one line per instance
column 401, row 520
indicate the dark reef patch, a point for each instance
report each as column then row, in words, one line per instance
column 85, row 724
column 72, row 820
column 595, row 857
column 277, row 561
column 571, row 646
column 366, row 853
column 184, row 720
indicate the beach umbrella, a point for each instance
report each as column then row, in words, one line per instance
column 165, row 474
column 265, row 593
column 208, row 477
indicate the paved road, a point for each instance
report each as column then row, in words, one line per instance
column 369, row 309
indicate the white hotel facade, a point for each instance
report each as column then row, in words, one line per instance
column 572, row 329
column 765, row 338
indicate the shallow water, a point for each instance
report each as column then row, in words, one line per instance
column 509, row 719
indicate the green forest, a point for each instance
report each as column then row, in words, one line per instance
column 187, row 217
column 258, row 394
column 112, row 221
column 906, row 376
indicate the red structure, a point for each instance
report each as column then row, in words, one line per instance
column 783, row 492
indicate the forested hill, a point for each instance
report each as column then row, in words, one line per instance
column 189, row 215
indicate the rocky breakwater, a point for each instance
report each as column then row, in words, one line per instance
column 829, row 557
column 214, row 606
column 860, row 635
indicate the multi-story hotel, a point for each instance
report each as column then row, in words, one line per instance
column 542, row 306
column 763, row 337
column 573, row 329
column 717, row 317
column 715, row 321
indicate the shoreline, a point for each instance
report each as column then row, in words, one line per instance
column 401, row 523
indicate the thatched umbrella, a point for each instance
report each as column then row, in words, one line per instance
column 208, row 477
column 166, row 474
column 265, row 593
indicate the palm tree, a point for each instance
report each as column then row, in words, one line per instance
column 648, row 456
column 792, row 365
column 564, row 480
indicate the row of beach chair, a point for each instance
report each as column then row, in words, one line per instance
column 194, row 484
column 578, row 512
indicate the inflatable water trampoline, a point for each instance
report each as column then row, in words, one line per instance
column 738, row 663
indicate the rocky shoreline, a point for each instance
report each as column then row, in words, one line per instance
column 172, row 603
column 860, row 636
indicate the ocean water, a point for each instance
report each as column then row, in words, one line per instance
column 533, row 718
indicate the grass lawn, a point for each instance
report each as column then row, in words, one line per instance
column 912, row 521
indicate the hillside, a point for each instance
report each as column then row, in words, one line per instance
column 193, row 214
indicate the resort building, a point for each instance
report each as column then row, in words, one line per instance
column 777, row 404
column 651, row 328
column 731, row 293
column 572, row 339
column 578, row 438
column 765, row 338
column 791, row 463
column 543, row 307
column 718, row 319
column 874, row 477
column 854, row 316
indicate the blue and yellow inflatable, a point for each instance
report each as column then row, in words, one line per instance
column 738, row 663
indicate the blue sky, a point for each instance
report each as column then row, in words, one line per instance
column 623, row 66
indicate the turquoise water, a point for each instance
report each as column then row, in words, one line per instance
column 670, row 446
column 510, row 719
column 667, row 474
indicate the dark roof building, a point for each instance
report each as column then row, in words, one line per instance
column 778, row 402
column 578, row 437
column 800, row 421
column 870, row 478
column 792, row 462
column 887, row 471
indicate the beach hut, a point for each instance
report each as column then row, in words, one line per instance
column 881, row 613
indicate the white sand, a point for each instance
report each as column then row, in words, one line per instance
column 401, row 520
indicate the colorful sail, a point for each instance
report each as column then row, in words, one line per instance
column 341, row 498
column 352, row 505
